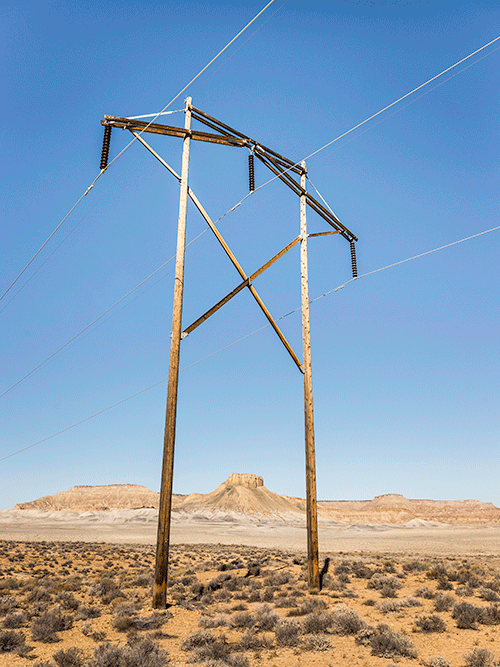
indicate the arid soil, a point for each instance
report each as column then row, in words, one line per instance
column 89, row 605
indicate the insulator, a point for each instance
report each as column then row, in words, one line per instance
column 105, row 146
column 353, row 260
column 251, row 173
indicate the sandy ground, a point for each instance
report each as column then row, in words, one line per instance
column 139, row 527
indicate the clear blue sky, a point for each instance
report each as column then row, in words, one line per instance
column 405, row 362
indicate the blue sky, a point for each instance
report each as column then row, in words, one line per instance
column 405, row 361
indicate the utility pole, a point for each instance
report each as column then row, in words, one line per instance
column 165, row 509
column 312, row 510
column 287, row 171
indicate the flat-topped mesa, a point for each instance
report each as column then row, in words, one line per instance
column 249, row 481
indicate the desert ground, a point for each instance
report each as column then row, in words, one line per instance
column 76, row 586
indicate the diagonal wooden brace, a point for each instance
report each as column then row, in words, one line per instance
column 238, row 288
column 228, row 252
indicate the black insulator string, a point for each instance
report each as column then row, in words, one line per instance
column 105, row 146
column 353, row 260
column 251, row 173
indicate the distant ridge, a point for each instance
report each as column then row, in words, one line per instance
column 245, row 494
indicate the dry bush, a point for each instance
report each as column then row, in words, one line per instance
column 7, row 604
column 144, row 652
column 439, row 661
column 389, row 606
column 318, row 642
column 265, row 617
column 14, row 620
column 386, row 584
column 213, row 621
column 46, row 626
column 346, row 621
column 197, row 639
column 71, row 657
column 251, row 641
column 307, row 607
column 387, row 643
column 479, row 657
column 12, row 641
column 316, row 623
column 443, row 602
column 466, row 615
column 242, row 619
column 488, row 594
column 287, row 632
column 425, row 592
column 432, row 623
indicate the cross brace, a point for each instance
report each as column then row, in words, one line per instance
column 247, row 280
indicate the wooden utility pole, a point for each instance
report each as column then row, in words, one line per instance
column 284, row 169
column 163, row 537
column 312, row 511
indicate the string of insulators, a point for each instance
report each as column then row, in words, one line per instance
column 251, row 173
column 353, row 260
column 105, row 146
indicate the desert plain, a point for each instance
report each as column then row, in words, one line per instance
column 404, row 582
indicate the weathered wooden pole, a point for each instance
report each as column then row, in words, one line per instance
column 163, row 537
column 312, row 511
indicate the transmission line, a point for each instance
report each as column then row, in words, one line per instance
column 128, row 145
column 336, row 289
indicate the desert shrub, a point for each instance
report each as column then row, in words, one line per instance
column 386, row 584
column 466, row 615
column 265, row 617
column 346, row 621
column 387, row 643
column 287, row 632
column 250, row 641
column 43, row 663
column 197, row 639
column 319, row 642
column 488, row 594
column 316, row 623
column 242, row 619
column 144, row 652
column 71, row 657
column 213, row 621
column 432, row 623
column 490, row 615
column 425, row 592
column 307, row 607
column 215, row 650
column 438, row 571
column 479, row 657
column 14, row 620
column 85, row 613
column 46, row 626
column 439, row 661
column 11, row 641
column 464, row 591
column 414, row 566
column 288, row 603
column 7, row 603
column 279, row 579
column 360, row 570
column 390, row 606
column 444, row 584
column 443, row 602
column 67, row 601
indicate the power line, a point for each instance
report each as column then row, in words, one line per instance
column 366, row 121
column 68, row 234
column 261, row 186
column 336, row 289
column 129, row 144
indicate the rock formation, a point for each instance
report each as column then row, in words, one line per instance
column 246, row 494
